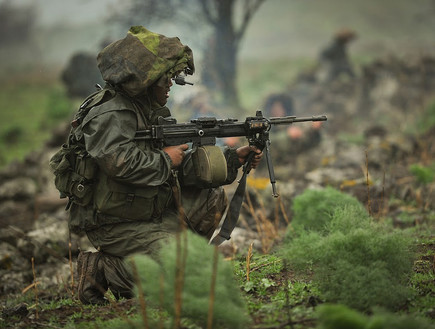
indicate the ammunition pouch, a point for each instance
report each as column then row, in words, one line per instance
column 74, row 172
column 210, row 165
column 115, row 202
column 204, row 208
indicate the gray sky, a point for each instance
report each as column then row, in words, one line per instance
column 70, row 12
column 281, row 28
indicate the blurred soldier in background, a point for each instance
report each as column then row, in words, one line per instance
column 289, row 141
column 334, row 61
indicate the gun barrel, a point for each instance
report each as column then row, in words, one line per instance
column 206, row 130
column 291, row 119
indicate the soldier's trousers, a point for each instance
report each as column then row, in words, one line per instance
column 115, row 242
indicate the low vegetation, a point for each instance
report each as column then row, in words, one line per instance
column 357, row 262
column 313, row 209
column 192, row 281
column 355, row 272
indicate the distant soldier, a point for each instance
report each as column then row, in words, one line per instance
column 289, row 141
column 334, row 60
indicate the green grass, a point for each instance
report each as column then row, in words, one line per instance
column 427, row 120
column 424, row 175
column 274, row 295
column 29, row 113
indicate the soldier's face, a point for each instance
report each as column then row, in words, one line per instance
column 277, row 110
column 161, row 92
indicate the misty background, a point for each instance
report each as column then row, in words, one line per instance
column 279, row 29
column 283, row 38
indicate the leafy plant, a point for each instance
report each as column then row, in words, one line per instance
column 342, row 317
column 313, row 208
column 424, row 175
column 357, row 262
column 158, row 282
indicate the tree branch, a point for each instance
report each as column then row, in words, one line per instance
column 207, row 12
column 250, row 6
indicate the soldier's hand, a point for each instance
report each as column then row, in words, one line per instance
column 243, row 152
column 294, row 132
column 176, row 153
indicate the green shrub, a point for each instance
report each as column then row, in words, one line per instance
column 313, row 209
column 357, row 263
column 427, row 121
column 424, row 175
column 342, row 317
column 230, row 310
column 59, row 105
column 12, row 135
column 339, row 317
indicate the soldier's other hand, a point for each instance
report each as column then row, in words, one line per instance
column 316, row 124
column 232, row 141
column 243, row 152
column 176, row 153
column 294, row 132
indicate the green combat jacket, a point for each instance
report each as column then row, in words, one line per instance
column 134, row 180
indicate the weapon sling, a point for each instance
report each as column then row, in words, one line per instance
column 232, row 217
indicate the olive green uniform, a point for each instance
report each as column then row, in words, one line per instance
column 133, row 197
column 133, row 208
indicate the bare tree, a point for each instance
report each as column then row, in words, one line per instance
column 228, row 29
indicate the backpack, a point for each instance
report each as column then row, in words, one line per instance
column 74, row 169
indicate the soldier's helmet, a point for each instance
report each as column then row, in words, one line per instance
column 142, row 58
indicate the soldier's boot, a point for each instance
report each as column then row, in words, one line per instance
column 92, row 281
column 119, row 276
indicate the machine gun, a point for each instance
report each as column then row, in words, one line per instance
column 205, row 130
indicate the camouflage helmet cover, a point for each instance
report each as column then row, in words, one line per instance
column 143, row 57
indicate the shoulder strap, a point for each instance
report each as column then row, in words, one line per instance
column 91, row 101
column 232, row 217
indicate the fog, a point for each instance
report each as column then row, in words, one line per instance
column 280, row 29
column 72, row 13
